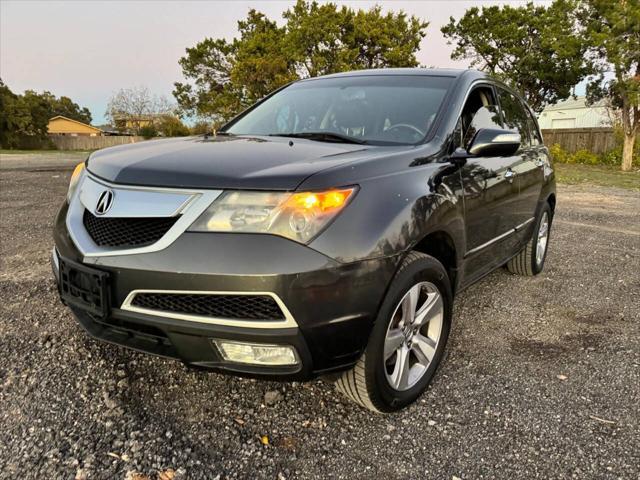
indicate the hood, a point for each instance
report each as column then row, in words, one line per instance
column 223, row 162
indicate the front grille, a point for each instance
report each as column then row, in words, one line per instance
column 126, row 232
column 242, row 307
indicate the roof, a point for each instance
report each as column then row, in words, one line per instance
column 74, row 121
column 572, row 103
column 433, row 72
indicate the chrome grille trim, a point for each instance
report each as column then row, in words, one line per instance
column 288, row 322
column 191, row 204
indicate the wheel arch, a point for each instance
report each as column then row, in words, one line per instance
column 441, row 245
column 551, row 200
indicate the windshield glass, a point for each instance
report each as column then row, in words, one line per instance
column 377, row 109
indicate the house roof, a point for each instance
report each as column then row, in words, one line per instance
column 75, row 121
column 574, row 103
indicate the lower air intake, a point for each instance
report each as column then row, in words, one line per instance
column 239, row 307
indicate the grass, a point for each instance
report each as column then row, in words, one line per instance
column 602, row 175
column 4, row 151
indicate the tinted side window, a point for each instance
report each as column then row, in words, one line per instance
column 484, row 117
column 515, row 117
column 536, row 138
column 480, row 111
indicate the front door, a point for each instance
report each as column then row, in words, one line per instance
column 489, row 193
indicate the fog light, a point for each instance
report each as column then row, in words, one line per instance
column 257, row 353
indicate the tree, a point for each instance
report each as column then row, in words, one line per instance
column 201, row 127
column 612, row 30
column 224, row 77
column 172, row 126
column 41, row 111
column 24, row 119
column 148, row 131
column 64, row 106
column 324, row 39
column 15, row 118
column 134, row 108
column 535, row 49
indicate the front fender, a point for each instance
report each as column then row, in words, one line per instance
column 393, row 213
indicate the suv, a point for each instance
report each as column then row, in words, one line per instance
column 323, row 231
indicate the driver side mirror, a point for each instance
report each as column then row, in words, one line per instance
column 494, row 142
column 488, row 142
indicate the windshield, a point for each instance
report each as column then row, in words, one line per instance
column 376, row 109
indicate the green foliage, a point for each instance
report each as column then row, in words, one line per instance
column 224, row 77
column 582, row 156
column 533, row 48
column 172, row 126
column 15, row 118
column 148, row 131
column 24, row 118
column 201, row 127
column 614, row 156
column 44, row 106
column 558, row 153
column 585, row 157
column 612, row 31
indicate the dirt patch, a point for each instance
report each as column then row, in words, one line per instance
column 533, row 347
column 598, row 318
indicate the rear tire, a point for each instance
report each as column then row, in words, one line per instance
column 408, row 338
column 530, row 261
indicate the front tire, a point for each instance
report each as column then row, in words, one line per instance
column 530, row 261
column 408, row 339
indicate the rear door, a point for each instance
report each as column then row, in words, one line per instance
column 527, row 163
column 531, row 176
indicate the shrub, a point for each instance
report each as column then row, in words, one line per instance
column 585, row 157
column 201, row 127
column 558, row 154
column 171, row 126
column 149, row 131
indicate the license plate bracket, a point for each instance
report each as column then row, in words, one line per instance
column 84, row 287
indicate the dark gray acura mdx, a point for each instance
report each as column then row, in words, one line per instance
column 323, row 231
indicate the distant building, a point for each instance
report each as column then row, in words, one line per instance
column 574, row 113
column 133, row 123
column 66, row 126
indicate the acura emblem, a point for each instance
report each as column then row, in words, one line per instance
column 105, row 202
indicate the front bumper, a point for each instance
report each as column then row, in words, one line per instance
column 333, row 305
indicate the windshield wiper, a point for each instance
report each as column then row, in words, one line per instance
column 321, row 137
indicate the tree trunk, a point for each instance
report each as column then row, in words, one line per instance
column 627, row 150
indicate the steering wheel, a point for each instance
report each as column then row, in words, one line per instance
column 407, row 127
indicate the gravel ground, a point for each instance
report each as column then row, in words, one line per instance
column 542, row 377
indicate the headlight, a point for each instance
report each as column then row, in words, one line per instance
column 299, row 216
column 75, row 180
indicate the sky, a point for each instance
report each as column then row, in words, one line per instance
column 87, row 50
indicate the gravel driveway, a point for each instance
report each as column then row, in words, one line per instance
column 542, row 377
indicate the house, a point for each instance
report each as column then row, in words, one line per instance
column 574, row 113
column 66, row 126
column 133, row 123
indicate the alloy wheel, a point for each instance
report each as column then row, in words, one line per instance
column 413, row 335
column 543, row 237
